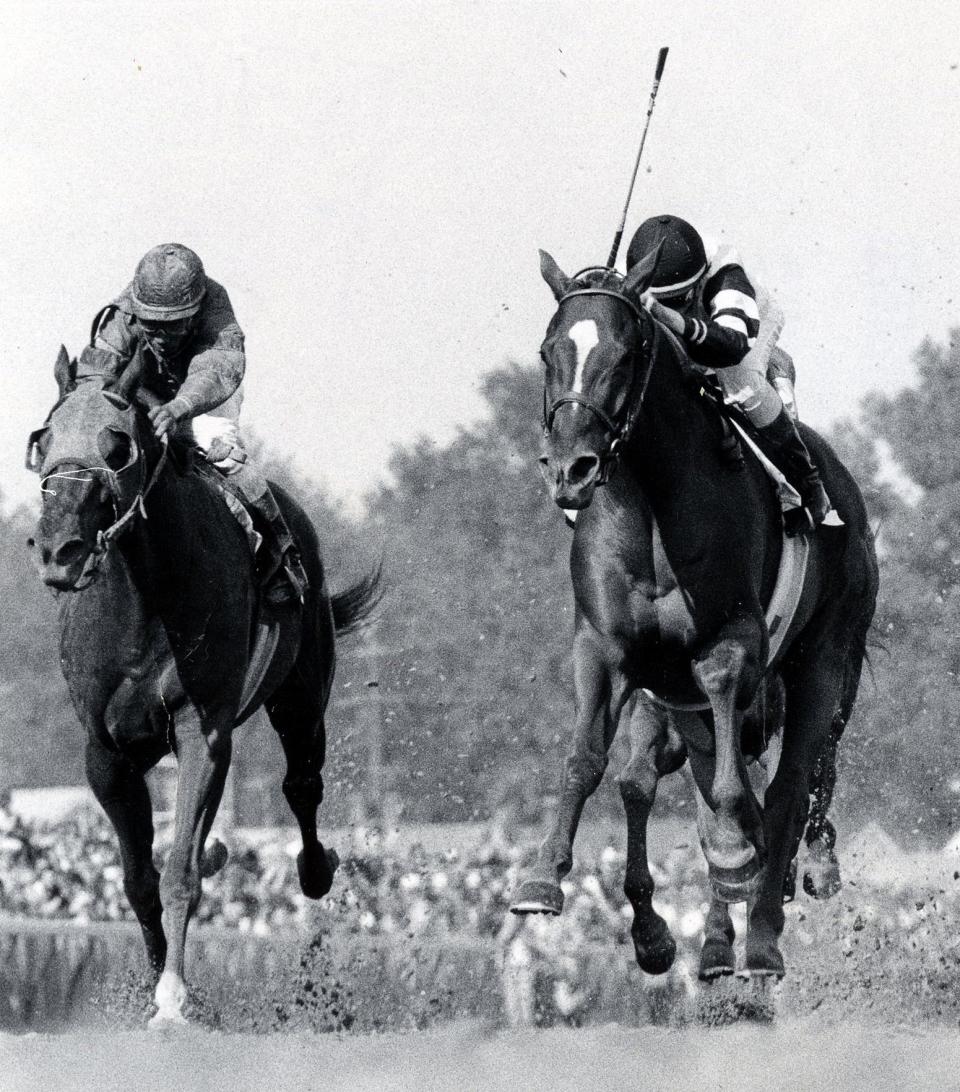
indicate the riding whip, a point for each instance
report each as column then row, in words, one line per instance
column 614, row 250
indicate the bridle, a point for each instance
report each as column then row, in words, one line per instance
column 619, row 433
column 123, row 519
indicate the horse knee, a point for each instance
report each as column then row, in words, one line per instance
column 180, row 884
column 638, row 786
column 584, row 769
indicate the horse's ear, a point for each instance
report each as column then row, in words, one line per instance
column 558, row 281
column 65, row 372
column 640, row 275
column 125, row 386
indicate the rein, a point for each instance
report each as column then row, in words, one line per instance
column 619, row 434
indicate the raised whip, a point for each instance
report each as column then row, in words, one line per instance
column 615, row 249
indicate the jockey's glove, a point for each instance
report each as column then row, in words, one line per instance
column 673, row 320
column 165, row 418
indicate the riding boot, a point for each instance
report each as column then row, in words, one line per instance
column 784, row 445
column 282, row 576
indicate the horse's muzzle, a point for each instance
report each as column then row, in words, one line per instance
column 572, row 481
column 61, row 565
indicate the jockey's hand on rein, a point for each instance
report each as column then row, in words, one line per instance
column 673, row 320
column 165, row 418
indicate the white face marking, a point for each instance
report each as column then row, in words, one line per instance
column 584, row 335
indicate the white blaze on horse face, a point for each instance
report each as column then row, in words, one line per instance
column 585, row 336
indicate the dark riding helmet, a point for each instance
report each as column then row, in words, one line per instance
column 169, row 284
column 683, row 260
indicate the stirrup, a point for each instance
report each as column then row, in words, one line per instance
column 287, row 583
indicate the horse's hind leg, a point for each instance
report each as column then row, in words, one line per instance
column 120, row 788
column 296, row 712
column 821, row 870
column 203, row 758
column 656, row 750
column 813, row 696
column 600, row 698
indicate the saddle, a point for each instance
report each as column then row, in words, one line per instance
column 706, row 385
column 195, row 462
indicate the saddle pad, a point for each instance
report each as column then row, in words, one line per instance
column 787, row 495
column 268, row 635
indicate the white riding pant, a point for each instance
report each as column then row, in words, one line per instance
column 217, row 434
column 746, row 385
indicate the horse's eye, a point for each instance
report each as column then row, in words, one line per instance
column 116, row 448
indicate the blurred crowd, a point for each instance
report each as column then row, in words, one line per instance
column 387, row 887
column 384, row 886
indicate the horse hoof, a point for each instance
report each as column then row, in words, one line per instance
column 657, row 950
column 170, row 997
column 166, row 1021
column 538, row 897
column 213, row 859
column 736, row 884
column 764, row 963
column 716, row 961
column 316, row 872
column 821, row 873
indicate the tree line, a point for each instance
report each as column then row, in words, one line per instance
column 459, row 699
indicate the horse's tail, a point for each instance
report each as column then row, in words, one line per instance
column 353, row 607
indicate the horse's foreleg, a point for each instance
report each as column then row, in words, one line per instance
column 600, row 697
column 813, row 694
column 731, row 828
column 203, row 758
column 656, row 750
column 717, row 955
column 120, row 788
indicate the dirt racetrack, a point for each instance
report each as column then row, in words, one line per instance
column 795, row 1056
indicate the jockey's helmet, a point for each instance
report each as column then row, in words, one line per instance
column 169, row 284
column 683, row 259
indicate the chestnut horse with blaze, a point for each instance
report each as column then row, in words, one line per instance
column 164, row 648
column 673, row 563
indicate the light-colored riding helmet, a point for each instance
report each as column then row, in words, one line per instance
column 169, row 284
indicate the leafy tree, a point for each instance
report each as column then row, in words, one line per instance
column 897, row 756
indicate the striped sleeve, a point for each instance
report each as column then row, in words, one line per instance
column 732, row 302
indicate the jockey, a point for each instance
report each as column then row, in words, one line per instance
column 708, row 300
column 191, row 346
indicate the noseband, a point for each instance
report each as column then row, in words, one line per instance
column 619, row 434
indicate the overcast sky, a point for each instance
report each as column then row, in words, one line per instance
column 371, row 182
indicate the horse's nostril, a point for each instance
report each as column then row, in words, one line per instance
column 582, row 469
column 31, row 542
column 69, row 552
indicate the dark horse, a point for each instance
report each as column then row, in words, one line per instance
column 163, row 648
column 672, row 566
